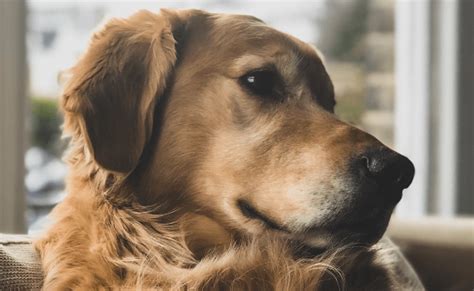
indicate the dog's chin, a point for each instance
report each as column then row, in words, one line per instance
column 318, row 241
column 365, row 231
column 365, row 235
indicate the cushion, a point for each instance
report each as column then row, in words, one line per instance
column 20, row 268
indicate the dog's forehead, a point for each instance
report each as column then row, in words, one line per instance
column 250, row 43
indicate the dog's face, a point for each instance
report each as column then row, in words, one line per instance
column 234, row 122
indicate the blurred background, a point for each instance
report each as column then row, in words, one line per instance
column 402, row 71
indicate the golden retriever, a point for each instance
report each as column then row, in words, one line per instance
column 204, row 155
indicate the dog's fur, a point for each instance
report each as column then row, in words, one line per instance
column 164, row 144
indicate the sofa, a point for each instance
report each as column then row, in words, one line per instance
column 441, row 251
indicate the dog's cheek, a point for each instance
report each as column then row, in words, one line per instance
column 300, row 191
column 226, row 173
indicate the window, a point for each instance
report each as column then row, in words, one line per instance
column 399, row 67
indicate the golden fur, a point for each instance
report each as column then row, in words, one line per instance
column 154, row 169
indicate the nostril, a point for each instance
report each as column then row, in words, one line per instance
column 365, row 164
column 373, row 165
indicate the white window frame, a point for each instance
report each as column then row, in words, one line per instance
column 427, row 102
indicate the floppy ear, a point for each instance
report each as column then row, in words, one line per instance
column 115, row 85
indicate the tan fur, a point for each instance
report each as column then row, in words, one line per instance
column 161, row 148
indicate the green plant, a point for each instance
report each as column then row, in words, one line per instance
column 45, row 123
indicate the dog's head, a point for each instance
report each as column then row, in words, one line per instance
column 223, row 116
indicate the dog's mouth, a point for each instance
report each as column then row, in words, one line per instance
column 366, row 230
column 252, row 213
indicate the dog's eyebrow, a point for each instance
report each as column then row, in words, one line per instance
column 247, row 63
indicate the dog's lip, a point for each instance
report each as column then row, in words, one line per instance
column 352, row 228
column 365, row 218
column 366, row 230
column 251, row 212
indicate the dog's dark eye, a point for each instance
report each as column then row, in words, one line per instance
column 260, row 82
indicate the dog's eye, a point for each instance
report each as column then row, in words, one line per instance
column 260, row 82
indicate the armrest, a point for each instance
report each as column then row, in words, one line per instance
column 20, row 268
column 440, row 250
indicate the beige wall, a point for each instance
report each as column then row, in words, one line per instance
column 12, row 114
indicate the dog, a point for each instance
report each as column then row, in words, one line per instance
column 204, row 154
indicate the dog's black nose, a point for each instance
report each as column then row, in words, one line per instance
column 388, row 168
